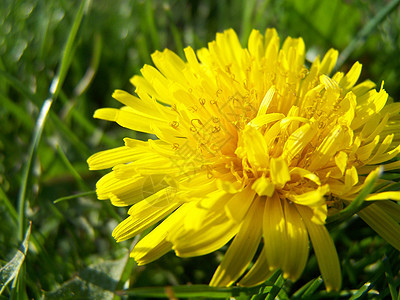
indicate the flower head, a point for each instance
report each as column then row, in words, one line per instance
column 251, row 146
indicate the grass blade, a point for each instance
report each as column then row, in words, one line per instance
column 362, row 35
column 390, row 279
column 190, row 291
column 11, row 269
column 75, row 196
column 41, row 120
column 276, row 288
column 9, row 206
column 71, row 168
column 308, row 289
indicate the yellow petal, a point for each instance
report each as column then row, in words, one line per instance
column 129, row 119
column 311, row 198
column 363, row 87
column 170, row 65
column 329, row 83
column 263, row 187
column 297, row 243
column 149, row 248
column 320, row 213
column 350, row 179
column 255, row 44
column 303, row 173
column 236, row 208
column 256, row 147
column 242, row 248
column 382, row 223
column 297, row 141
column 387, row 167
column 146, row 213
column 231, row 187
column 351, row 77
column 274, row 230
column 109, row 158
column 380, row 158
column 205, row 210
column 192, row 59
column 279, row 171
column 384, row 196
column 327, row 149
column 148, row 109
column 155, row 243
column 341, row 161
column 262, row 110
column 329, row 61
column 216, row 231
column 265, row 119
column 324, row 250
column 258, row 273
column 364, row 153
column 123, row 192
column 373, row 127
column 368, row 105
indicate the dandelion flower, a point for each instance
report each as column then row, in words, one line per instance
column 254, row 147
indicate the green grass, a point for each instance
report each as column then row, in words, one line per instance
column 60, row 60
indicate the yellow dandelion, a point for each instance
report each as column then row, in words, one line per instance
column 251, row 146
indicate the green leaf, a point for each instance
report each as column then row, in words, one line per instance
column 192, row 291
column 11, row 269
column 98, row 281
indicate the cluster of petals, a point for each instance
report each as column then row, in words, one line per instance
column 250, row 146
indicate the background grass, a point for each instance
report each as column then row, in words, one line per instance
column 60, row 60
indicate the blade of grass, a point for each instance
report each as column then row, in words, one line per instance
column 19, row 86
column 75, row 196
column 362, row 35
column 189, row 291
column 378, row 275
column 389, row 278
column 276, row 288
column 362, row 291
column 82, row 148
column 176, row 34
column 78, row 144
column 71, row 168
column 151, row 25
column 9, row 206
column 41, row 121
column 12, row 268
column 18, row 112
column 90, row 129
column 246, row 20
column 260, row 20
column 308, row 289
column 87, row 78
column 37, row 133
